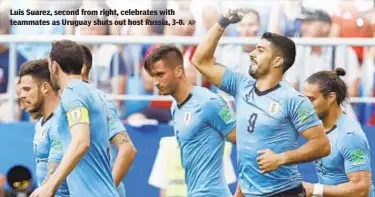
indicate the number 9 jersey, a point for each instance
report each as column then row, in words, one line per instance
column 271, row 119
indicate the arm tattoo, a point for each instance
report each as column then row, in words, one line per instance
column 52, row 166
column 121, row 138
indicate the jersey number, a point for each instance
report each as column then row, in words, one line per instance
column 252, row 120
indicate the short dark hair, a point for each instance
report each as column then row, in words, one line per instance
column 285, row 45
column 330, row 81
column 38, row 69
column 169, row 53
column 87, row 57
column 69, row 55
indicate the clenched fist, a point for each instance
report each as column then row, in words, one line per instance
column 232, row 16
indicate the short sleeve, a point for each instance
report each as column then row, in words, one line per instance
column 231, row 81
column 115, row 124
column 356, row 153
column 75, row 107
column 302, row 113
column 56, row 150
column 220, row 115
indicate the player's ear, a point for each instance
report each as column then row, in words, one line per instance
column 44, row 87
column 278, row 62
column 179, row 71
column 331, row 97
column 54, row 67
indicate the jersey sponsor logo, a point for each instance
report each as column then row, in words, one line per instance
column 227, row 114
column 358, row 157
column 78, row 115
column 187, row 118
column 274, row 108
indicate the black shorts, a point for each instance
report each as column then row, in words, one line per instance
column 295, row 192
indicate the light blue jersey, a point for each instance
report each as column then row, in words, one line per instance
column 47, row 148
column 115, row 127
column 350, row 152
column 271, row 119
column 201, row 124
column 80, row 103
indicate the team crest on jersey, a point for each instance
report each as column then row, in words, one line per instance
column 187, row 118
column 43, row 134
column 274, row 108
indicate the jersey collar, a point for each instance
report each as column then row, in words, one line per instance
column 45, row 120
column 185, row 101
column 261, row 93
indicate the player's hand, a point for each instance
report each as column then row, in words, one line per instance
column 269, row 161
column 45, row 190
column 309, row 188
column 232, row 16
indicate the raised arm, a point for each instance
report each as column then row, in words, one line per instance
column 203, row 58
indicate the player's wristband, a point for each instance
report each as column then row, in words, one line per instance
column 318, row 190
column 223, row 22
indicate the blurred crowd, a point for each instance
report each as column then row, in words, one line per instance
column 117, row 69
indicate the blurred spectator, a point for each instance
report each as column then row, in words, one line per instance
column 168, row 174
column 317, row 23
column 282, row 18
column 129, row 75
column 4, row 53
column 210, row 14
column 5, row 116
column 366, row 111
column 350, row 21
column 102, row 75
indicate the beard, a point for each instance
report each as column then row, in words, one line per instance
column 253, row 70
column 37, row 108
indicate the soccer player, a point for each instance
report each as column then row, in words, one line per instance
column 270, row 114
column 37, row 97
column 202, row 122
column 122, row 151
column 347, row 170
column 82, row 123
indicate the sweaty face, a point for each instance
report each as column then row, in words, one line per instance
column 52, row 66
column 30, row 94
column 164, row 78
column 319, row 102
column 260, row 59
